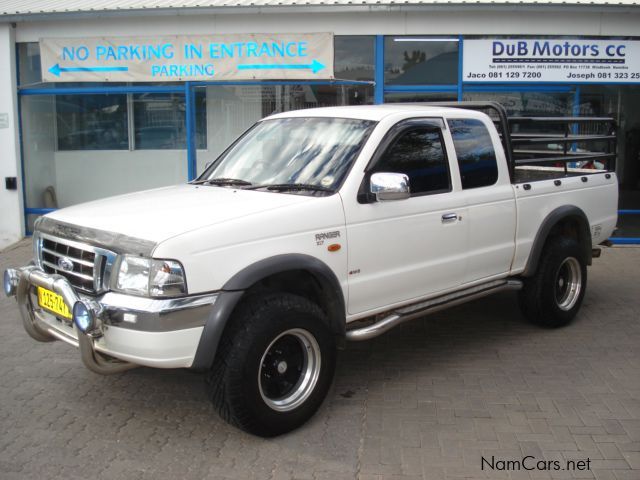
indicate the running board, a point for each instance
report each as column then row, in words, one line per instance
column 404, row 314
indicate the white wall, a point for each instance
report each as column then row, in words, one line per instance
column 82, row 176
column 11, row 229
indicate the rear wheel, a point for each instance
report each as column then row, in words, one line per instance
column 274, row 365
column 553, row 296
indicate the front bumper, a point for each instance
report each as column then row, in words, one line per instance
column 129, row 331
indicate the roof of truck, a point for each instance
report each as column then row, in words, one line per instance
column 376, row 112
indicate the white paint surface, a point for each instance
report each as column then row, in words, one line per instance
column 10, row 200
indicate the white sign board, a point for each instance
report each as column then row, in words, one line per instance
column 551, row 60
column 188, row 58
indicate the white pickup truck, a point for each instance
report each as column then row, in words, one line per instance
column 316, row 227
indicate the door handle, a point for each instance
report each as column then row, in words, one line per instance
column 449, row 217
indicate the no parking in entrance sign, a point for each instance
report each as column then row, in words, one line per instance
column 188, row 58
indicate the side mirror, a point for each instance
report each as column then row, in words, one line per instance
column 390, row 186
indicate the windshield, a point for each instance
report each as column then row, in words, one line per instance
column 312, row 154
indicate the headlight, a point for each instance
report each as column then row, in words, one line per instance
column 150, row 277
column 166, row 279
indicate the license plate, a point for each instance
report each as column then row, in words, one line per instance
column 53, row 303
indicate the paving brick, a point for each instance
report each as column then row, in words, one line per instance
column 430, row 399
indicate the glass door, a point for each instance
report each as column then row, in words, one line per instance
column 231, row 109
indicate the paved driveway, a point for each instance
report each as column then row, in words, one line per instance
column 470, row 393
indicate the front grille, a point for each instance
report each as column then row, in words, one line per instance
column 84, row 266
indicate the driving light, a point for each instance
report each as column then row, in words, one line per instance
column 10, row 282
column 83, row 317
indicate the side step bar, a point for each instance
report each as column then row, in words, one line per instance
column 404, row 314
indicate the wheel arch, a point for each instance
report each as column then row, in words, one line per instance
column 299, row 274
column 569, row 221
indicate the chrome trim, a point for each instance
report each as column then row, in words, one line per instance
column 308, row 375
column 155, row 305
column 568, row 284
column 155, row 314
column 145, row 314
column 102, row 258
column 389, row 186
column 396, row 317
column 449, row 217
column 42, row 332
column 37, row 246
column 73, row 259
column 110, row 241
column 63, row 337
column 70, row 272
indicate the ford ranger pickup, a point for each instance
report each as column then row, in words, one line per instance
column 317, row 227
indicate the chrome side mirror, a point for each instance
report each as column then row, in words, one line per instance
column 390, row 186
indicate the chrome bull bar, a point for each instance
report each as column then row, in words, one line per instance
column 18, row 283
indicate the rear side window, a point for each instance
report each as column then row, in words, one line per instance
column 474, row 149
column 419, row 154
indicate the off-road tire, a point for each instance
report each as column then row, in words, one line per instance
column 249, row 358
column 552, row 297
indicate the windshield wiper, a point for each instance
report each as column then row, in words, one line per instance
column 222, row 181
column 292, row 186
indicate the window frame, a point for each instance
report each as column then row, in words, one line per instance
column 390, row 138
column 453, row 141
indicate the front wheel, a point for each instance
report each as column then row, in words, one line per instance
column 553, row 296
column 274, row 365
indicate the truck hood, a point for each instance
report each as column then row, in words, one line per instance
column 159, row 214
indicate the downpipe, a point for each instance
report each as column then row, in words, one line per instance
column 18, row 282
column 421, row 309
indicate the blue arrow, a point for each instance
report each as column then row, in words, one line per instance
column 315, row 66
column 57, row 69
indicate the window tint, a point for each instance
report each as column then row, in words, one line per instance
column 474, row 149
column 92, row 122
column 354, row 57
column 418, row 154
column 420, row 61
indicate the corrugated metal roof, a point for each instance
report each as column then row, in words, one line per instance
column 40, row 7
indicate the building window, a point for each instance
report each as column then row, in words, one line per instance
column 418, row 153
column 420, row 61
column 159, row 121
column 92, row 122
column 29, row 63
column 354, row 57
column 419, row 97
column 101, row 122
column 474, row 149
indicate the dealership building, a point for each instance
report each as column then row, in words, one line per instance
column 99, row 98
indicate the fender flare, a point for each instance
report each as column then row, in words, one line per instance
column 551, row 220
column 235, row 287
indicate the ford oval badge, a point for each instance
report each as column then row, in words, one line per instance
column 65, row 264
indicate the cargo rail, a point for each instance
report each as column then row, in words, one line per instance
column 567, row 145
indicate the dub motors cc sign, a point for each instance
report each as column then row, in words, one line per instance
column 188, row 58
column 551, row 60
